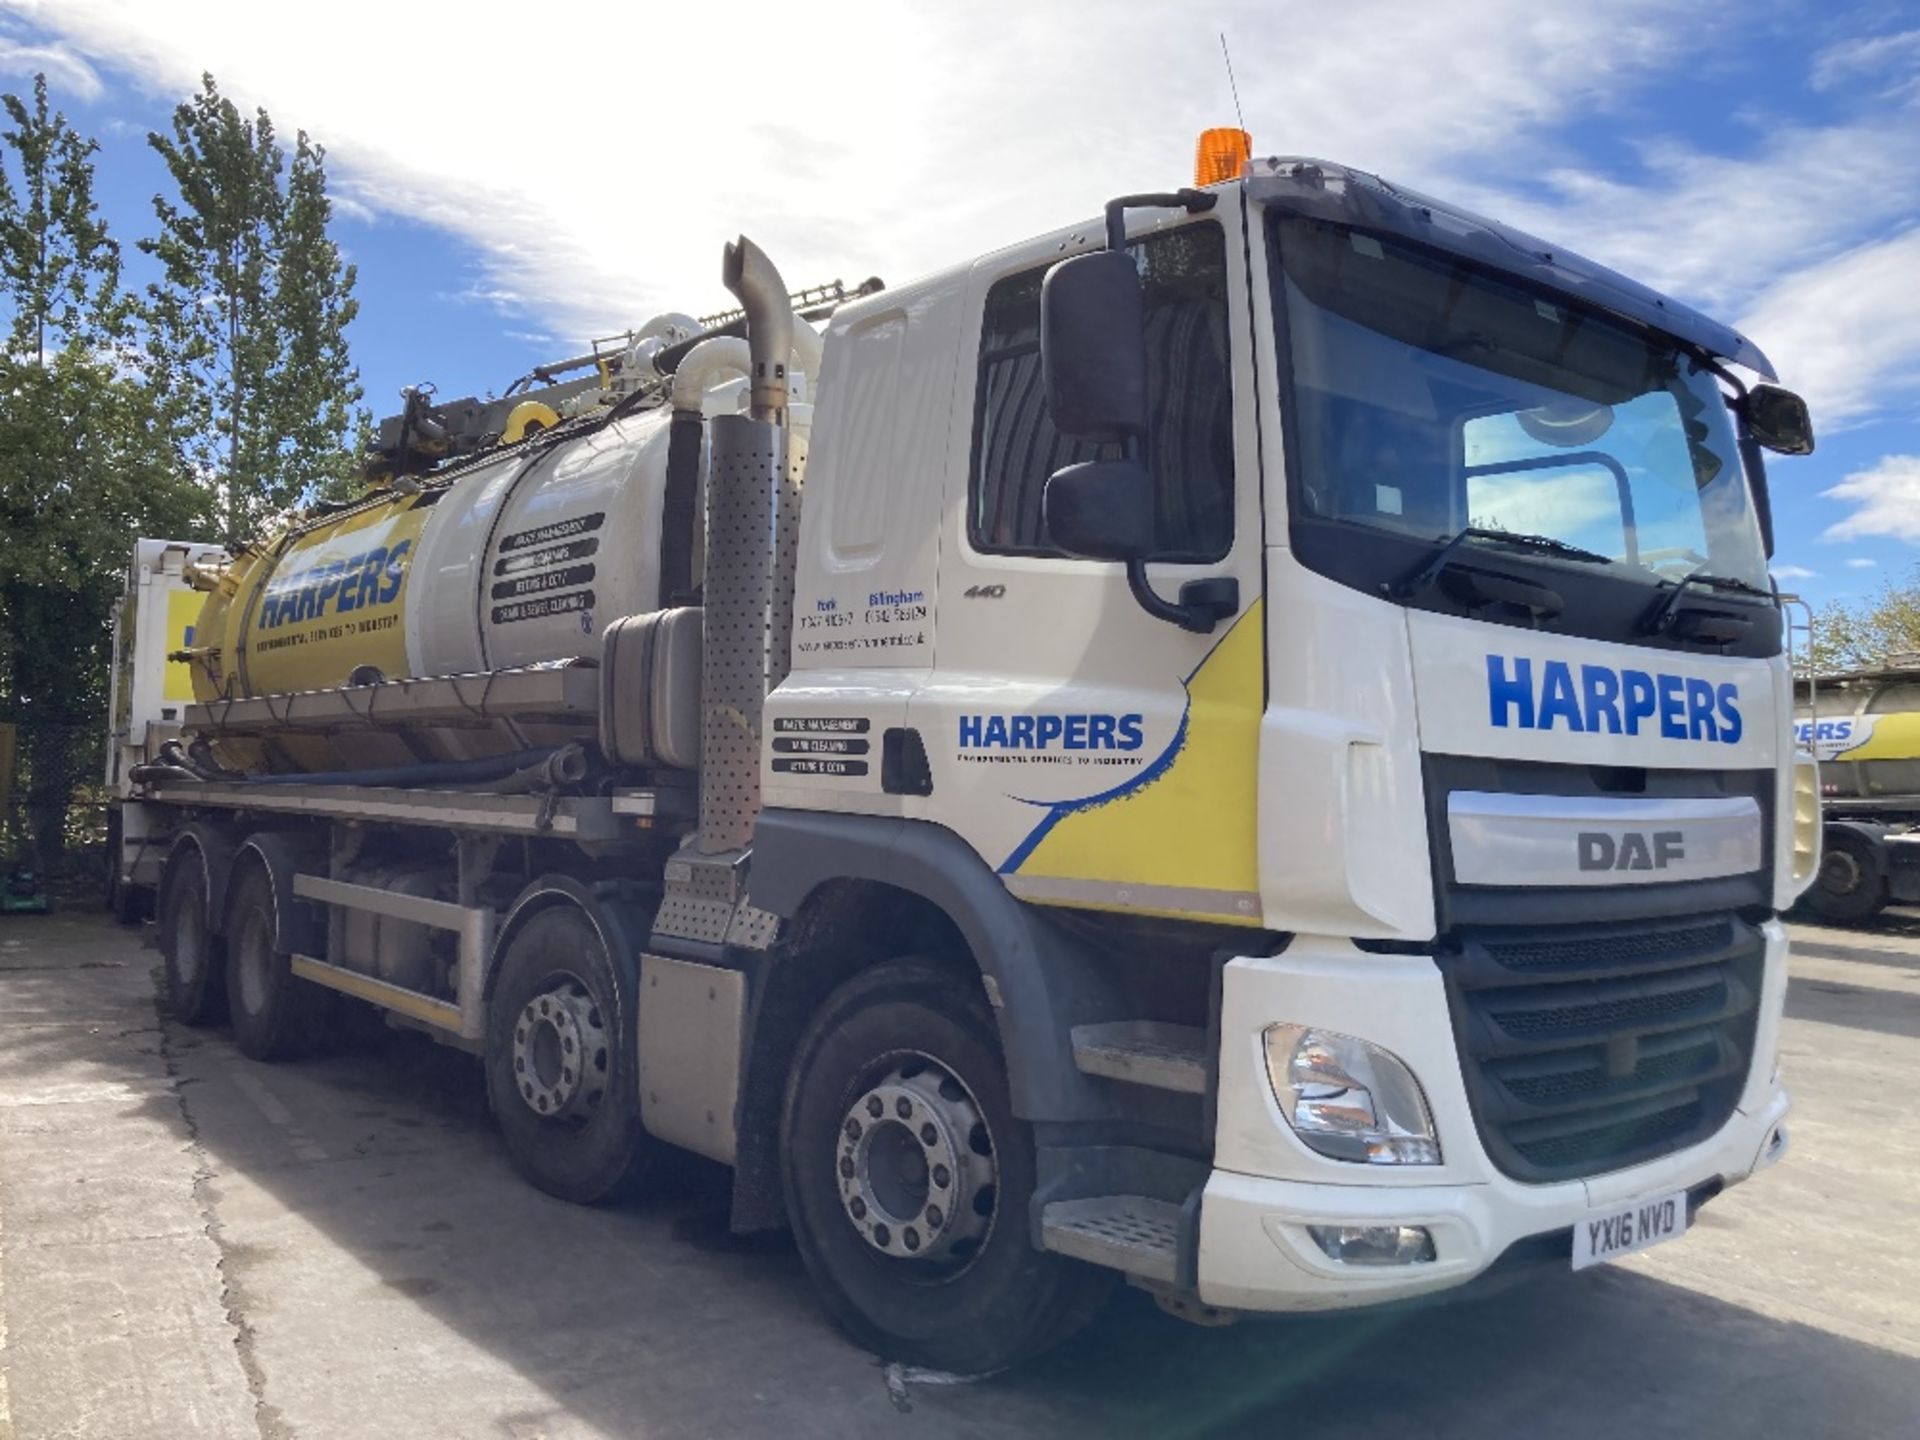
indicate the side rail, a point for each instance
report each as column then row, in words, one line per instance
column 473, row 924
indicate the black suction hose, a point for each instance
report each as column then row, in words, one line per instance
column 440, row 772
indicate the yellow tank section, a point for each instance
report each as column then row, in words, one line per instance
column 1891, row 737
column 216, row 640
column 216, row 629
column 332, row 608
column 316, row 608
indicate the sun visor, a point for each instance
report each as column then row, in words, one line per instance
column 1350, row 197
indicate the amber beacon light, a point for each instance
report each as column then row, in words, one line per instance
column 1221, row 155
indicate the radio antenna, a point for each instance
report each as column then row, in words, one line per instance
column 1227, row 55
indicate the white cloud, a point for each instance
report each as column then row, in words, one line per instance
column 599, row 182
column 1851, row 60
column 596, row 185
column 349, row 206
column 1794, row 572
column 1886, row 501
column 1847, row 332
column 63, row 68
column 1795, row 238
column 1860, row 562
column 1719, row 230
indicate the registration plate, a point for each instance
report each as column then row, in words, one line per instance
column 1609, row 1234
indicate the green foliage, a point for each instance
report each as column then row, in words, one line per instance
column 60, row 269
column 248, row 323
column 83, row 466
column 1862, row 635
column 225, row 401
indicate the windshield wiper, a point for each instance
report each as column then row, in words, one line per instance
column 1418, row 580
column 1660, row 615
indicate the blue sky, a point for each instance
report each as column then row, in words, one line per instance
column 505, row 202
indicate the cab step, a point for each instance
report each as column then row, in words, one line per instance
column 1122, row 1232
column 1144, row 1052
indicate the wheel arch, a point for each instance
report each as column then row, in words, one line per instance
column 1039, row 980
column 211, row 847
column 299, row 926
column 615, row 915
column 856, row 890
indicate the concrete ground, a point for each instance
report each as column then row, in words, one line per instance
column 192, row 1245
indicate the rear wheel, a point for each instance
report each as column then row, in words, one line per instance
column 195, row 957
column 560, row 1060
column 276, row 1015
column 908, row 1179
column 1850, row 886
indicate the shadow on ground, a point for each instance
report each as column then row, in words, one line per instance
column 649, row 1319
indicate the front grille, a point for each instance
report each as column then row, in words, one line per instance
column 1623, row 948
column 1589, row 1048
column 1660, row 1130
column 1616, row 1012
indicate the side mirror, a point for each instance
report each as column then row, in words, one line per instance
column 1100, row 510
column 1779, row 420
column 1093, row 347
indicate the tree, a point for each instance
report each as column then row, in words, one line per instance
column 249, row 319
column 61, row 269
column 1864, row 634
column 84, row 467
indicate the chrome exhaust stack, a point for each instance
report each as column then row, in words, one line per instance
column 754, row 281
column 753, row 525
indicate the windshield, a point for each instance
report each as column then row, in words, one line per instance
column 1430, row 395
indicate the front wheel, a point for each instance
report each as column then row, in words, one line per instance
column 1849, row 887
column 908, row 1179
column 560, row 1060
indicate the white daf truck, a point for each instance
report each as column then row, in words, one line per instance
column 1243, row 746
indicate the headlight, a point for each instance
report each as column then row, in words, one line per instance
column 1806, row 819
column 1349, row 1100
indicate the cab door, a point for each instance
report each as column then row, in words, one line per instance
column 1094, row 755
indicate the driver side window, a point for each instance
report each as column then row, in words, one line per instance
column 1189, row 396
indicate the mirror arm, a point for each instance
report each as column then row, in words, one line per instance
column 1202, row 605
column 1161, row 609
column 1194, row 202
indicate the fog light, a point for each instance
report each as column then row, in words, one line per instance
column 1374, row 1244
column 1348, row 1099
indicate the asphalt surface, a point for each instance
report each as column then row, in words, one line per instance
column 192, row 1245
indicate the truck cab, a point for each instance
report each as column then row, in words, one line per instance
column 1437, row 847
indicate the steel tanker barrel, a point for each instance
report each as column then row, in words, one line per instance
column 506, row 568
column 461, row 612
column 1865, row 731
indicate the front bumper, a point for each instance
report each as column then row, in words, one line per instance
column 1255, row 1252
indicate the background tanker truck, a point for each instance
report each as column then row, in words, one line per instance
column 1864, row 725
column 1245, row 747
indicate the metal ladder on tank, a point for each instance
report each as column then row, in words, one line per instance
column 1798, row 615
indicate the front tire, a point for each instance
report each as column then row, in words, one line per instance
column 908, row 1179
column 1849, row 887
column 195, row 957
column 561, row 1069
